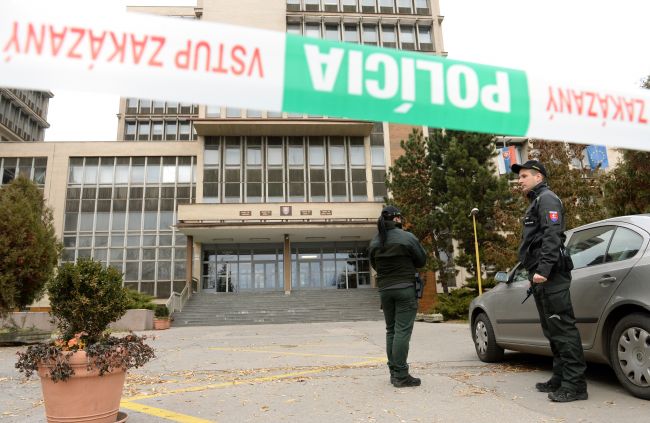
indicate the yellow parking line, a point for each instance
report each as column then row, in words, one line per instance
column 294, row 353
column 375, row 360
column 165, row 414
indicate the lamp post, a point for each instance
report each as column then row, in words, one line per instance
column 473, row 213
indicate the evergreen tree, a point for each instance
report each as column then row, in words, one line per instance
column 436, row 182
column 29, row 249
column 579, row 189
column 628, row 186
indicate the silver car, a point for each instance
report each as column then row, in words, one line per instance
column 610, row 292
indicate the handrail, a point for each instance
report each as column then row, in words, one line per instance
column 177, row 300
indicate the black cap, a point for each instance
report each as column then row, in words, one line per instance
column 530, row 164
column 390, row 212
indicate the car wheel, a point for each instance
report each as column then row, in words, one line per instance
column 629, row 351
column 485, row 341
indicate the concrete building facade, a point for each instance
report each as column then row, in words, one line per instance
column 228, row 199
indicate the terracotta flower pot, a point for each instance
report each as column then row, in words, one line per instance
column 85, row 397
column 159, row 324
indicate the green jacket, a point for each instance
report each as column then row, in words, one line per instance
column 398, row 260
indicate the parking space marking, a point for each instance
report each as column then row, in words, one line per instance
column 165, row 414
column 321, row 369
column 294, row 353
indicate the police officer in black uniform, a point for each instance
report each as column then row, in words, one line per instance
column 549, row 270
column 396, row 254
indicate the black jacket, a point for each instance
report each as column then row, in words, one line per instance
column 397, row 260
column 543, row 233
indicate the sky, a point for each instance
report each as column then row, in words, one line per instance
column 599, row 43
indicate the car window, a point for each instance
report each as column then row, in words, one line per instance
column 588, row 247
column 625, row 244
column 521, row 274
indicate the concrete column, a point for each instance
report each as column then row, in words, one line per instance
column 287, row 264
column 188, row 263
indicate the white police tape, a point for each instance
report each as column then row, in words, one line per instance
column 51, row 45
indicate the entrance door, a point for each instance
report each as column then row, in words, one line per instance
column 265, row 276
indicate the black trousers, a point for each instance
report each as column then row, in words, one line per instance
column 559, row 327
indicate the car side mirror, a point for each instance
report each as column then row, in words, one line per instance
column 501, row 277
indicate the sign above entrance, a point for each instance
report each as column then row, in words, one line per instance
column 137, row 55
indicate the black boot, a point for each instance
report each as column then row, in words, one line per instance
column 566, row 395
column 548, row 386
column 406, row 382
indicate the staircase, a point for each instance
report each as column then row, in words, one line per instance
column 252, row 308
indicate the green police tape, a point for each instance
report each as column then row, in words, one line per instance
column 363, row 82
column 138, row 55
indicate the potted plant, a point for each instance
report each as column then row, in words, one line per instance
column 83, row 371
column 161, row 318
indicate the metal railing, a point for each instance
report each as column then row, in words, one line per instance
column 177, row 300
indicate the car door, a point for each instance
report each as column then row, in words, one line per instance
column 516, row 323
column 602, row 255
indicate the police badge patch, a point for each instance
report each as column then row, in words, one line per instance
column 553, row 216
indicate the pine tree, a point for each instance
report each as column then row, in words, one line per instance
column 628, row 186
column 436, row 182
column 579, row 189
column 29, row 249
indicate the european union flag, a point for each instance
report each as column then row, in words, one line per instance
column 597, row 155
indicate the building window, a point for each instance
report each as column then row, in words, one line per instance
column 331, row 5
column 422, row 7
column 185, row 130
column 293, row 5
column 131, row 105
column 405, row 6
column 388, row 38
column 351, row 33
column 332, row 32
column 424, row 37
column 145, row 106
column 158, row 107
column 370, row 36
column 130, row 131
column 387, row 6
column 126, row 221
column 368, row 6
column 232, row 112
column 143, row 131
column 294, row 28
column 213, row 111
column 157, row 131
column 349, row 5
column 170, row 130
column 33, row 168
column 312, row 29
column 312, row 5
column 407, row 37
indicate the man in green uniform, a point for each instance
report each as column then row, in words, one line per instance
column 549, row 269
column 396, row 254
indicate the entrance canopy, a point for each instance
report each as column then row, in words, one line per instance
column 262, row 223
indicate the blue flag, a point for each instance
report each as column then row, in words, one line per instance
column 597, row 155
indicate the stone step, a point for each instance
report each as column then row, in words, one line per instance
column 276, row 307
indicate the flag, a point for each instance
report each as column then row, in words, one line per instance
column 507, row 157
column 597, row 155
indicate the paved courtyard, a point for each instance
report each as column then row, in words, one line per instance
column 332, row 372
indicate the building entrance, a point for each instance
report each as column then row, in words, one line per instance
column 242, row 268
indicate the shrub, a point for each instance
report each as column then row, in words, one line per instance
column 85, row 298
column 161, row 312
column 29, row 249
column 455, row 305
column 137, row 300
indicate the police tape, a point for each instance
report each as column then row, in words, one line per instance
column 52, row 45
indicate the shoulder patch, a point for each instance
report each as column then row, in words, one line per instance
column 553, row 216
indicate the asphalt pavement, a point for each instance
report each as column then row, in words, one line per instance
column 332, row 372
